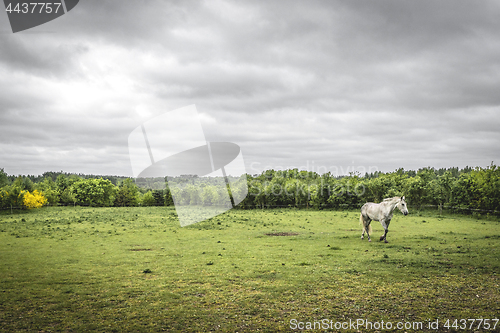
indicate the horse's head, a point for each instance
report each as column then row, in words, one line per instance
column 403, row 207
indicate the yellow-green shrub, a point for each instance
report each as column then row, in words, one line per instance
column 34, row 200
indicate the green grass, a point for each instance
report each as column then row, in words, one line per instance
column 78, row 269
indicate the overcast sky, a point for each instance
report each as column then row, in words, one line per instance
column 317, row 85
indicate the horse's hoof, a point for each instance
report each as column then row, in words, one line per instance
column 385, row 241
column 381, row 238
column 369, row 240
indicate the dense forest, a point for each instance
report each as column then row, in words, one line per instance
column 474, row 190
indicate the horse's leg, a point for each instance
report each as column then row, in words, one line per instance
column 386, row 229
column 362, row 221
column 366, row 226
column 385, row 226
column 367, row 231
column 365, row 222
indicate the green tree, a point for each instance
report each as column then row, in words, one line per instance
column 478, row 189
column 209, row 196
column 384, row 186
column 490, row 196
column 67, row 197
column 321, row 191
column 65, row 190
column 49, row 190
column 439, row 189
column 24, row 183
column 12, row 196
column 239, row 189
column 347, row 193
column 148, row 199
column 4, row 179
column 127, row 194
column 169, row 201
column 415, row 190
column 377, row 188
column 301, row 193
column 463, row 191
column 94, row 192
column 159, row 197
column 62, row 183
column 256, row 191
column 3, row 197
column 191, row 195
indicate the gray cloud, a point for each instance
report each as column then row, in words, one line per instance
column 39, row 56
column 294, row 83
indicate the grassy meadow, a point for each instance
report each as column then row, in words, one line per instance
column 75, row 269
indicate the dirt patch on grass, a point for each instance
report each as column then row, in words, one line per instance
column 141, row 249
column 282, row 234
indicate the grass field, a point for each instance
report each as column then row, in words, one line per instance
column 76, row 269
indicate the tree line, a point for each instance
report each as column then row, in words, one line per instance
column 71, row 189
column 473, row 189
column 466, row 189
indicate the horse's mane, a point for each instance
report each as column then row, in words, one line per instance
column 390, row 199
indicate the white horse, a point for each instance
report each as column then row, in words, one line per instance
column 380, row 212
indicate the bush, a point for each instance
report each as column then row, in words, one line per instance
column 34, row 200
column 148, row 199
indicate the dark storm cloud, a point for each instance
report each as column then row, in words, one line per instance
column 41, row 58
column 370, row 55
column 338, row 83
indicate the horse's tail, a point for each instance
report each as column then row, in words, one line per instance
column 362, row 222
